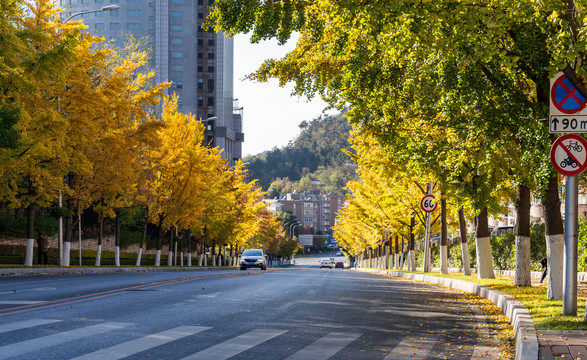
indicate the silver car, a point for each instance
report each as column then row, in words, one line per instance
column 253, row 258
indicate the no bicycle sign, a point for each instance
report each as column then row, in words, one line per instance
column 569, row 154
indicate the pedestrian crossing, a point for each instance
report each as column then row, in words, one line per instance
column 179, row 340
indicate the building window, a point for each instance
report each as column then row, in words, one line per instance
column 99, row 1
column 210, row 42
column 99, row 26
column 114, row 1
column 176, row 27
column 100, row 14
column 210, row 101
column 151, row 18
column 176, row 68
column 134, row 13
column 211, row 85
column 176, row 41
column 210, row 69
column 200, row 68
column 177, row 2
column 114, row 26
column 133, row 1
column 114, row 13
column 179, row 100
column 210, row 55
column 177, row 54
column 200, row 55
column 134, row 26
column 200, row 15
column 177, row 83
column 200, row 42
column 200, row 101
column 177, row 14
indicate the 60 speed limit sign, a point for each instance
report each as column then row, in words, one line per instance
column 428, row 204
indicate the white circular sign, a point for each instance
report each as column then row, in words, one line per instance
column 428, row 204
column 569, row 154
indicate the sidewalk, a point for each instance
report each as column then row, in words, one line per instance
column 562, row 345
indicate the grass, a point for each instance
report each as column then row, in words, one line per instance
column 546, row 314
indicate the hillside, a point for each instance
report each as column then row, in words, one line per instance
column 314, row 156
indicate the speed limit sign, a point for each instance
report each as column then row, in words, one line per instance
column 428, row 204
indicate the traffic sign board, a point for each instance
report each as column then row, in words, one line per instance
column 568, row 124
column 564, row 97
column 428, row 204
column 569, row 154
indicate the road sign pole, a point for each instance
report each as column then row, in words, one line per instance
column 571, row 229
column 427, row 235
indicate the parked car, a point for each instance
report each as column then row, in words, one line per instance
column 339, row 264
column 326, row 262
column 253, row 258
column 340, row 253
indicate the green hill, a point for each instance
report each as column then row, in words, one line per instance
column 313, row 160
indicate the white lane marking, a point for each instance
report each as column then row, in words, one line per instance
column 145, row 343
column 20, row 302
column 212, row 295
column 27, row 290
column 237, row 345
column 25, row 324
column 325, row 347
column 37, row 344
column 409, row 349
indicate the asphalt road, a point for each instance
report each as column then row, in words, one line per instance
column 296, row 313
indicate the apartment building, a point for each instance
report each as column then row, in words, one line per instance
column 198, row 61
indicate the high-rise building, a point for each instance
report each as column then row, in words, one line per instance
column 198, row 61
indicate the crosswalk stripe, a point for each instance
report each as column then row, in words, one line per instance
column 25, row 324
column 325, row 347
column 145, row 343
column 409, row 349
column 20, row 302
column 237, row 345
column 37, row 344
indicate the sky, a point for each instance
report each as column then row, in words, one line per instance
column 270, row 114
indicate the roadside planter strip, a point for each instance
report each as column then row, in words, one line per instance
column 524, row 330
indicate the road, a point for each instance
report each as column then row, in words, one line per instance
column 296, row 313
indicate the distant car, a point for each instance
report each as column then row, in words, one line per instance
column 502, row 230
column 339, row 264
column 326, row 263
column 340, row 253
column 253, row 258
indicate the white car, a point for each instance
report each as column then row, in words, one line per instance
column 326, row 262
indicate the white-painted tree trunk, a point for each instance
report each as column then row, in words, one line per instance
column 466, row 259
column 189, row 259
column 484, row 259
column 411, row 260
column 170, row 258
column 158, row 258
column 205, row 260
column 117, row 256
column 396, row 261
column 139, row 254
column 181, row 259
column 555, row 255
column 230, row 261
column 175, row 254
column 30, row 247
column 66, row 250
column 444, row 259
column 98, row 255
column 219, row 260
column 522, row 272
column 214, row 261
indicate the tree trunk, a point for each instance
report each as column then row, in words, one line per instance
column 30, row 232
column 411, row 246
column 100, row 236
column 443, row 237
column 170, row 251
column 189, row 245
column 464, row 243
column 554, row 239
column 159, row 241
column 117, row 241
column 68, row 234
column 484, row 258
column 143, row 238
column 523, row 276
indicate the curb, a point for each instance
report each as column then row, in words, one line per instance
column 524, row 330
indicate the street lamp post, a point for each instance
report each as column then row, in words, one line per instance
column 60, row 196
